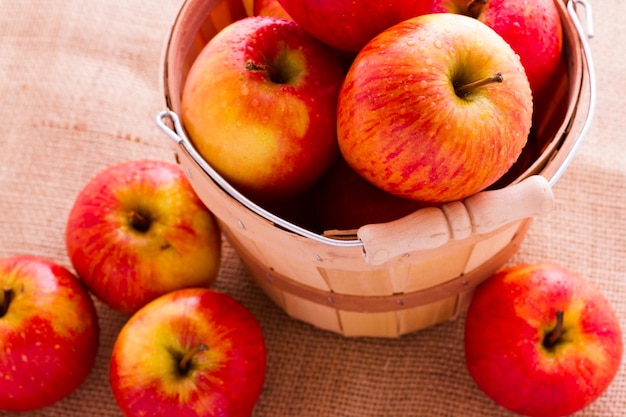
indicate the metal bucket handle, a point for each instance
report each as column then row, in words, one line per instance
column 429, row 228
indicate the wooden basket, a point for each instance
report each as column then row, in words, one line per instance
column 388, row 279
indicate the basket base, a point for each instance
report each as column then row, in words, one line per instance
column 390, row 315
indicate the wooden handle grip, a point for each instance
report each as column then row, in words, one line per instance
column 431, row 227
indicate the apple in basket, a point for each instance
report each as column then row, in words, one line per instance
column 347, row 24
column 138, row 230
column 434, row 109
column 48, row 333
column 540, row 340
column 270, row 8
column 259, row 105
column 533, row 29
column 346, row 201
column 192, row 352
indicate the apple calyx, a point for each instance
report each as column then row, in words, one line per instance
column 554, row 336
column 475, row 7
column 185, row 363
column 464, row 89
column 8, row 295
column 139, row 221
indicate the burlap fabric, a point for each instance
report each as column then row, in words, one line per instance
column 80, row 89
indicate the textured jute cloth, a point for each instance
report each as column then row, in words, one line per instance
column 80, row 89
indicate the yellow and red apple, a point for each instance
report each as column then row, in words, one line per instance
column 347, row 24
column 49, row 333
column 435, row 108
column 138, row 230
column 259, row 104
column 532, row 27
column 190, row 353
column 541, row 340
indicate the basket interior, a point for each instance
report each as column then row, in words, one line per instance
column 198, row 21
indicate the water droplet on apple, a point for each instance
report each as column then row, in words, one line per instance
column 423, row 84
column 429, row 61
column 410, row 77
column 244, row 90
column 410, row 42
column 438, row 44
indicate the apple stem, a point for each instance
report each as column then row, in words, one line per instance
column 474, row 7
column 8, row 295
column 463, row 90
column 139, row 221
column 551, row 339
column 251, row 66
column 185, row 361
column 273, row 72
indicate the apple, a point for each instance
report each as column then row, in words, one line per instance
column 540, row 340
column 434, row 109
column 49, row 333
column 532, row 28
column 270, row 8
column 138, row 230
column 347, row 24
column 192, row 352
column 259, row 104
column 298, row 210
column 346, row 201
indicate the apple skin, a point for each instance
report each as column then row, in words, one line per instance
column 125, row 262
column 402, row 126
column 348, row 25
column 49, row 333
column 346, row 201
column 506, row 323
column 270, row 8
column 223, row 380
column 259, row 104
column 533, row 28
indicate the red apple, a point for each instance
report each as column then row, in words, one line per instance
column 541, row 341
column 190, row 353
column 434, row 109
column 260, row 106
column 270, row 8
column 531, row 27
column 48, row 333
column 137, row 230
column 346, row 201
column 298, row 210
column 347, row 24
